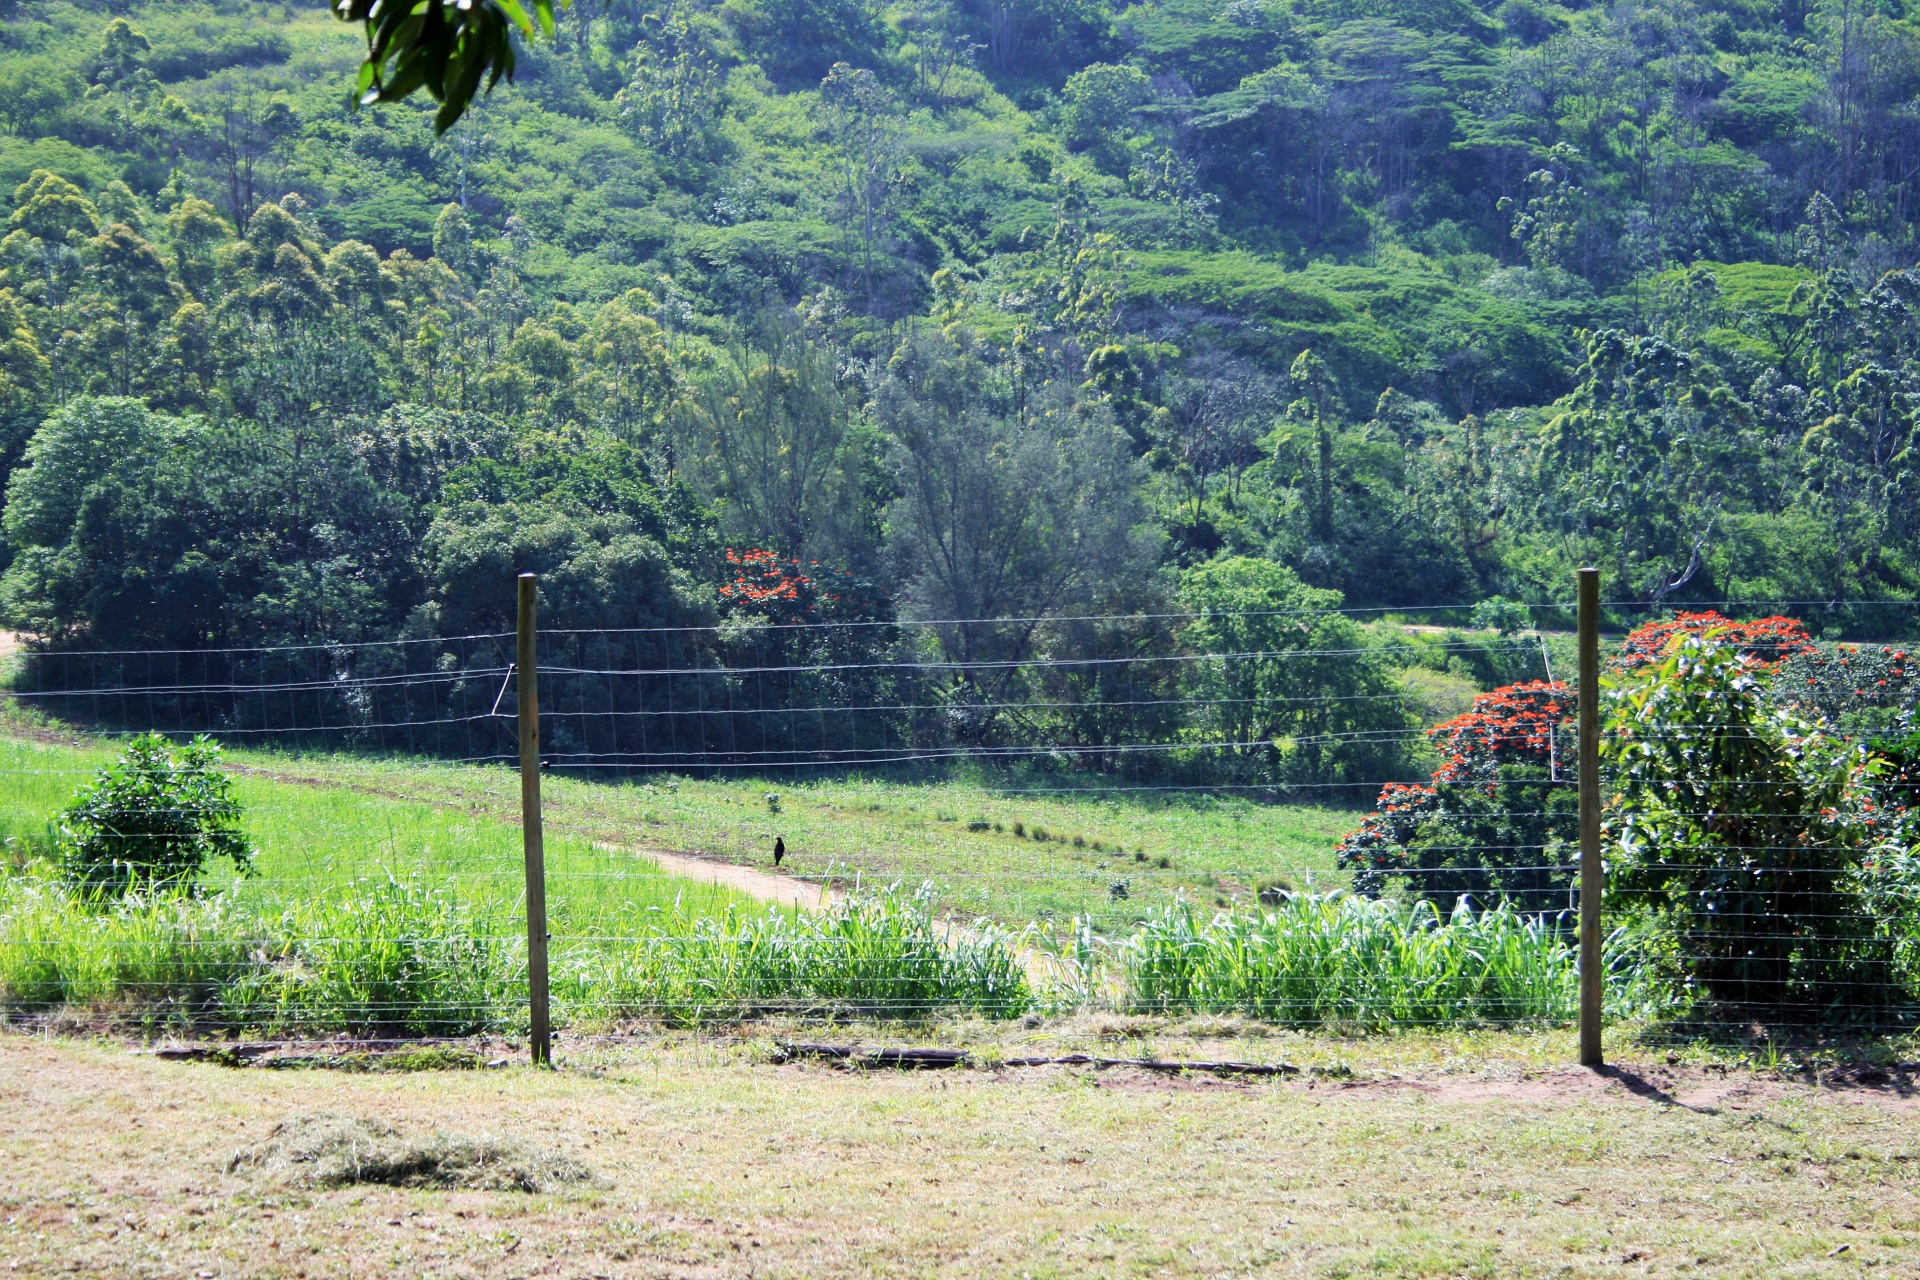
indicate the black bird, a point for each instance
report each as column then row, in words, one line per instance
column 779, row 850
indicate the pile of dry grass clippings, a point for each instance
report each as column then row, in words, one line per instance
column 325, row 1150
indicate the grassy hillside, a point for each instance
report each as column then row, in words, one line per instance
column 692, row 235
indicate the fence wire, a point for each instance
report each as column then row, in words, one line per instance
column 1122, row 814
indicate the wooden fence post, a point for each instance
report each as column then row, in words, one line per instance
column 1591, row 882
column 530, row 829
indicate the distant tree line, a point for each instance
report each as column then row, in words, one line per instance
column 956, row 312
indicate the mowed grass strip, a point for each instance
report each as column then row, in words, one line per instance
column 708, row 1163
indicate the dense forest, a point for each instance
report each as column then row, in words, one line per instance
column 767, row 311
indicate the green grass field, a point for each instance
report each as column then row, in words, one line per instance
column 388, row 894
column 319, row 820
column 313, row 839
column 1161, row 846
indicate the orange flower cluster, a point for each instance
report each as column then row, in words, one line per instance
column 1396, row 797
column 1770, row 641
column 789, row 593
column 1513, row 724
column 763, row 578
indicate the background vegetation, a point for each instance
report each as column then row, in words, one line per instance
column 1416, row 303
column 1032, row 380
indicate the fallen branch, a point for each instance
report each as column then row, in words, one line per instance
column 907, row 1058
column 343, row 1054
column 936, row 1059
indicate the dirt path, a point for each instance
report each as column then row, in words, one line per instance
column 766, row 886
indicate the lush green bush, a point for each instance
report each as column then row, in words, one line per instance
column 1746, row 830
column 1307, row 696
column 152, row 819
column 1496, row 613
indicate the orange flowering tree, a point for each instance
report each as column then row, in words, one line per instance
column 1497, row 820
column 1857, row 688
column 781, row 590
column 803, row 689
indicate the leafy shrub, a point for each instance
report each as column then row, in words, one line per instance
column 1745, row 828
column 1498, row 818
column 1306, row 699
column 152, row 819
column 1897, row 778
column 1853, row 687
column 1499, row 614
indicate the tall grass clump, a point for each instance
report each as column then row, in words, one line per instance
column 163, row 956
column 384, row 956
column 1347, row 961
column 881, row 954
column 390, row 956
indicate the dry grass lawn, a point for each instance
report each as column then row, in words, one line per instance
column 1452, row 1158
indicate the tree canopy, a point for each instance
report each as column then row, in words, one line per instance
column 1039, row 309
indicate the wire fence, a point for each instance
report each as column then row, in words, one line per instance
column 1125, row 699
column 1253, row 814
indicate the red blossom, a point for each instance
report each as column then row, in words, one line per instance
column 1512, row 724
column 776, row 587
column 764, row 578
column 1767, row 640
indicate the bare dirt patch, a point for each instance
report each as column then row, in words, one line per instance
column 1708, row 1090
column 765, row 886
